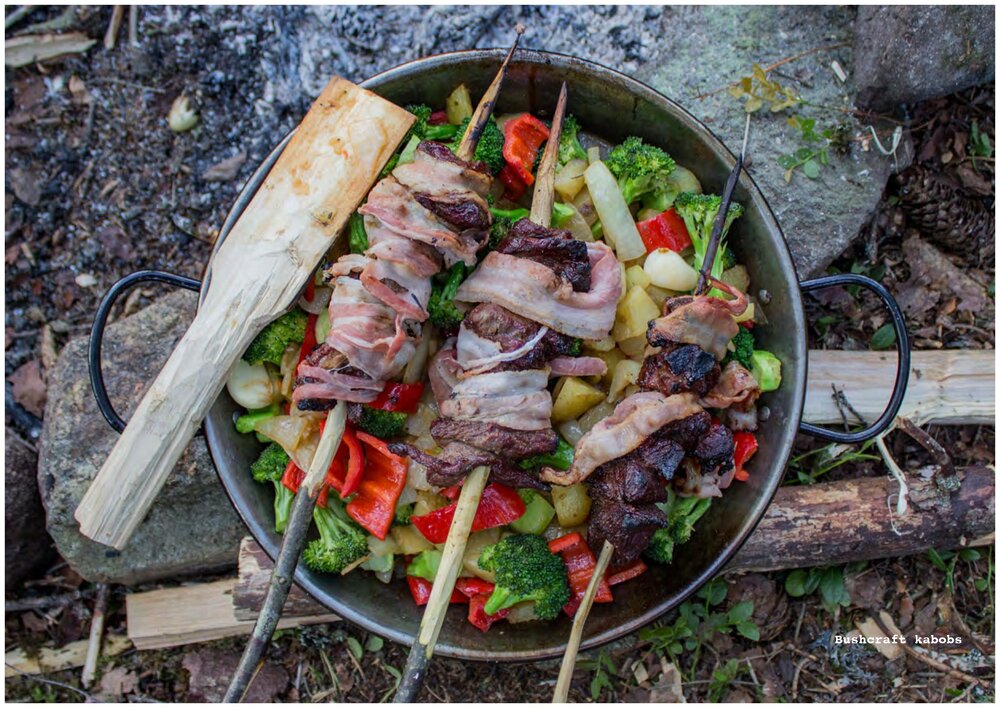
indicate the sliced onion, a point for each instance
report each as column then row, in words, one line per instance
column 320, row 301
column 298, row 436
column 616, row 220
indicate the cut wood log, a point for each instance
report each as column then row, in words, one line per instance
column 251, row 586
column 945, row 387
column 819, row 524
column 49, row 659
column 299, row 211
column 189, row 614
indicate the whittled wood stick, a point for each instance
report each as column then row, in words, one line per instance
column 292, row 542
column 258, row 272
column 541, row 201
column 96, row 635
column 561, row 693
column 444, row 584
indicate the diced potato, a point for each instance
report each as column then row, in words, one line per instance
column 593, row 154
column 633, row 315
column 626, row 373
column 570, row 431
column 410, row 541
column 458, row 105
column 611, row 358
column 572, row 504
column 635, row 277
column 572, row 397
column 736, row 276
column 382, row 548
column 474, row 547
column 569, row 179
column 596, row 414
column 660, row 295
column 585, row 206
column 521, row 612
column 427, row 502
column 600, row 345
column 635, row 347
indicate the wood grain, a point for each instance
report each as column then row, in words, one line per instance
column 298, row 212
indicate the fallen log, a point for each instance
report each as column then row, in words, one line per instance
column 819, row 524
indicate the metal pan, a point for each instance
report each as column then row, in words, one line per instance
column 612, row 106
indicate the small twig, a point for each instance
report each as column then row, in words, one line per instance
column 96, row 636
column 921, row 656
column 50, row 682
column 897, row 473
column 561, row 694
column 946, row 477
column 111, row 35
column 17, row 15
column 133, row 26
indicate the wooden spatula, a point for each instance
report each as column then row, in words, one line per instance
column 329, row 165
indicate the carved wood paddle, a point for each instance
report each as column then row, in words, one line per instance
column 329, row 165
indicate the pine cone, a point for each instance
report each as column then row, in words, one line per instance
column 936, row 206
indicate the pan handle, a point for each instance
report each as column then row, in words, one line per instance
column 902, row 365
column 101, row 321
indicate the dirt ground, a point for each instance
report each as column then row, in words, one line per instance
column 97, row 186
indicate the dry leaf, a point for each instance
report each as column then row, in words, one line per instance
column 225, row 170
column 78, row 90
column 22, row 51
column 880, row 640
column 29, row 387
column 27, row 186
column 119, row 681
column 667, row 688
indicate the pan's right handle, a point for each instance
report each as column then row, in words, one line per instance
column 101, row 321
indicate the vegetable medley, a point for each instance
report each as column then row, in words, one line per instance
column 528, row 557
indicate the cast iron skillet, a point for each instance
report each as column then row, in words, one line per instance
column 613, row 106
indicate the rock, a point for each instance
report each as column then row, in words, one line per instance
column 26, row 545
column 905, row 53
column 211, row 669
column 191, row 527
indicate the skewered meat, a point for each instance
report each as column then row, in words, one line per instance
column 633, row 421
column 703, row 321
column 554, row 248
column 325, row 376
column 513, row 399
column 513, row 444
column 639, row 477
column 736, row 387
column 577, row 366
column 456, row 459
column 629, row 528
column 533, row 290
column 679, row 368
column 491, row 330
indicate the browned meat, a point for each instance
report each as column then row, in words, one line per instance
column 705, row 321
column 629, row 528
column 715, row 450
column 456, row 459
column 639, row 477
column 553, row 248
column 679, row 369
column 510, row 332
column 440, row 151
column 688, row 431
column 329, row 368
column 512, row 444
column 456, row 210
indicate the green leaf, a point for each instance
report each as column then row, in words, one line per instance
column 741, row 612
column 832, row 590
column 354, row 646
column 969, row 554
column 884, row 337
column 803, row 154
column 787, row 161
column 749, row 630
column 810, row 169
column 981, row 584
column 374, row 643
column 795, row 583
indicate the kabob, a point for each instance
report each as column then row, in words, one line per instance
column 665, row 425
column 491, row 380
column 427, row 214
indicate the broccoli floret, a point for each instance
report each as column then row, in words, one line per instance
column 340, row 542
column 575, row 348
column 569, row 142
column 698, row 212
column 561, row 458
column 561, row 213
column 270, row 344
column 283, row 498
column 744, row 344
column 270, row 465
column 246, row 422
column 639, row 168
column 382, row 424
column 503, row 220
column 489, row 149
column 441, row 306
column 682, row 513
column 526, row 571
column 358, row 237
column 424, row 130
column 403, row 514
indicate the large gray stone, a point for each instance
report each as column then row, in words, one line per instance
column 907, row 53
column 191, row 527
column 26, row 545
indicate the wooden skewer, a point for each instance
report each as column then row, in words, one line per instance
column 541, row 201
column 720, row 218
column 292, row 543
column 579, row 620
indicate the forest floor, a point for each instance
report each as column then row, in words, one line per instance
column 64, row 247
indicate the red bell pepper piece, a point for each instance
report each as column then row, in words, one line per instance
column 355, row 462
column 745, row 445
column 474, row 586
column 477, row 612
column 499, row 506
column 627, row 573
column 514, row 187
column 292, row 477
column 374, row 504
column 580, row 564
column 522, row 136
column 451, row 492
column 665, row 230
column 399, row 397
column 420, row 589
column 438, row 118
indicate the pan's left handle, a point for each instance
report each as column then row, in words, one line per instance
column 101, row 321
column 902, row 365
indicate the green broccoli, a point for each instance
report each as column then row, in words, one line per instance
column 358, row 237
column 526, row 571
column 561, row 458
column 489, row 149
column 561, row 213
column 270, row 467
column 682, row 513
column 424, row 130
column 441, row 306
column 503, row 220
column 639, row 168
column 270, row 344
column 698, row 212
column 340, row 543
column 744, row 344
column 569, row 142
column 403, row 514
column 246, row 422
column 382, row 424
column 575, row 348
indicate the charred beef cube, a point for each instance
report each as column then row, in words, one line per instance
column 679, row 369
column 553, row 248
column 715, row 450
column 511, row 332
column 511, row 444
column 688, row 431
column 629, row 528
column 462, row 214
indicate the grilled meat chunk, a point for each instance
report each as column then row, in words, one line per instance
column 628, row 527
column 553, row 248
column 507, row 333
column 679, row 369
column 688, row 431
column 512, row 444
column 715, row 450
column 456, row 459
